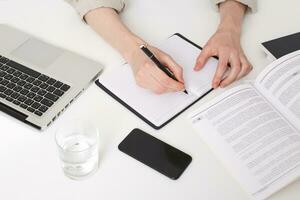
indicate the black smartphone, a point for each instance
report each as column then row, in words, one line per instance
column 155, row 153
column 283, row 46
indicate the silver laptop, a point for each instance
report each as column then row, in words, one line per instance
column 38, row 81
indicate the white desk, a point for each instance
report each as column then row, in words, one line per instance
column 30, row 168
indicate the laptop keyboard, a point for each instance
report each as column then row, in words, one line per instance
column 28, row 89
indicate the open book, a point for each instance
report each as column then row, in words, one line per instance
column 158, row 110
column 254, row 129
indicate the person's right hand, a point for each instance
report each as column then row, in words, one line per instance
column 108, row 24
column 149, row 76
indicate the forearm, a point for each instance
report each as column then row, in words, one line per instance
column 107, row 23
column 232, row 15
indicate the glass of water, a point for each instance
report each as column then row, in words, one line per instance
column 77, row 143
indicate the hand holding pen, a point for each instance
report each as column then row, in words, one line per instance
column 162, row 67
column 148, row 75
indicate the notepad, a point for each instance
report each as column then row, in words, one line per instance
column 159, row 110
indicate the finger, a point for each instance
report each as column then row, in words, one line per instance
column 156, row 86
column 165, row 80
column 246, row 67
column 221, row 69
column 205, row 54
column 174, row 67
column 146, row 80
column 235, row 64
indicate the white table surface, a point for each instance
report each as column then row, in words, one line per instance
column 30, row 168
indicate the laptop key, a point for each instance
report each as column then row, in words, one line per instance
column 43, row 77
column 36, row 105
column 47, row 102
column 3, row 96
column 16, row 102
column 38, row 98
column 65, row 87
column 10, row 70
column 15, row 95
column 31, row 95
column 4, row 82
column 42, row 92
column 3, row 60
column 24, row 91
column 15, row 80
column 28, row 86
column 2, row 88
column 17, row 88
column 38, row 113
column 1, row 66
column 22, row 98
column 8, row 76
column 21, row 82
column 23, row 69
column 5, row 67
column 23, row 76
column 2, row 74
column 34, row 89
column 37, row 82
column 51, row 81
column 8, row 92
column 52, row 97
column 44, row 85
column 58, row 92
column 11, row 85
column 30, row 79
column 24, row 106
column 50, row 88
column 30, row 109
column 43, row 108
column 28, row 102
column 17, row 74
column 9, row 99
column 58, row 84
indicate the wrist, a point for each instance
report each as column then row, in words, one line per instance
column 228, row 24
column 232, row 14
column 132, row 44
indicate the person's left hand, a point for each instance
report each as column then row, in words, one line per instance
column 225, row 44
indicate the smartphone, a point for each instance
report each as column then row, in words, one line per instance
column 155, row 153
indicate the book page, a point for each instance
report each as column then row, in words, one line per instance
column 280, row 83
column 259, row 147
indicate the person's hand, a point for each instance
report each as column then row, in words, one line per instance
column 225, row 44
column 149, row 76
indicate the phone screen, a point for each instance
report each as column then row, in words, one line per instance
column 155, row 153
column 284, row 45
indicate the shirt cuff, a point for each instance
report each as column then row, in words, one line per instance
column 252, row 4
column 84, row 6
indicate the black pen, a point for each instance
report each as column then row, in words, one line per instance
column 158, row 64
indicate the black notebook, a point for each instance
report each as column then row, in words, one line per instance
column 159, row 110
column 282, row 46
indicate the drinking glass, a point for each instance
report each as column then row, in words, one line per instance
column 77, row 142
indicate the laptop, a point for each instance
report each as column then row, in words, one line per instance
column 38, row 81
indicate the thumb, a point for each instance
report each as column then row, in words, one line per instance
column 174, row 67
column 205, row 54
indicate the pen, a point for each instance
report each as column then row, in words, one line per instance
column 158, row 64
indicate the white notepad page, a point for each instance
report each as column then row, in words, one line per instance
column 158, row 109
